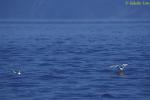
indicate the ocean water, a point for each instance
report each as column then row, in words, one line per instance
column 71, row 61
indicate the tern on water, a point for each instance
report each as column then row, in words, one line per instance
column 120, row 69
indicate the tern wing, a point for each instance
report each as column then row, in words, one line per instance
column 114, row 66
column 124, row 65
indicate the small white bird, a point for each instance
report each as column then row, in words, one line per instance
column 16, row 72
column 121, row 67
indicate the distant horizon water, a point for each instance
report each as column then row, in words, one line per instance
column 75, row 21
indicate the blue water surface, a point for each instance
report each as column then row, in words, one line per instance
column 71, row 61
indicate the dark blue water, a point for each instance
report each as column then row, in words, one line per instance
column 71, row 61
